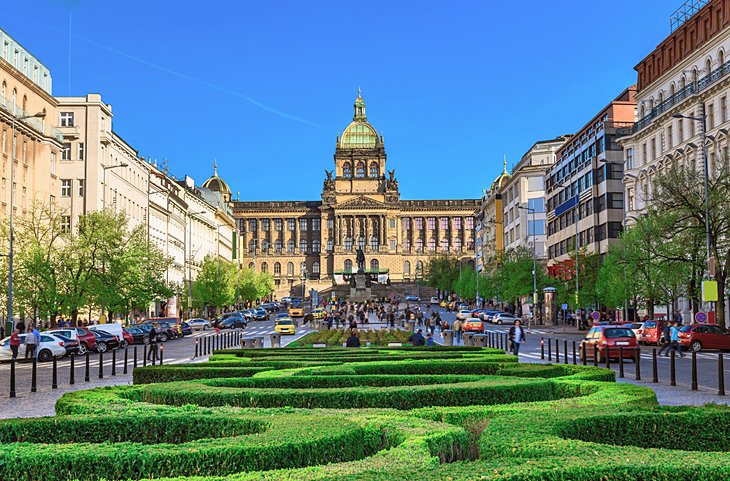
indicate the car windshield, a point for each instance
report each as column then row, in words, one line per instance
column 649, row 324
column 614, row 333
column 685, row 329
column 296, row 304
column 284, row 322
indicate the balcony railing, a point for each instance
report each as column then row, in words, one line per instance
column 691, row 89
column 33, row 122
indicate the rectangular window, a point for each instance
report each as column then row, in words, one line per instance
column 691, row 125
column 66, row 188
column 53, row 163
column 615, row 200
column 680, row 131
column 457, row 223
column 391, row 223
column 614, row 230
column 711, row 116
column 470, row 222
column 406, row 223
column 630, row 157
column 723, row 109
column 391, row 244
column 265, row 225
column 67, row 119
column 537, row 205
column 2, row 191
column 81, row 151
column 418, row 221
column 644, row 157
column 252, row 225
column 431, row 223
column 82, row 185
column 444, row 223
column 65, row 223
column 669, row 136
column 315, row 224
column 330, row 224
column 278, row 225
column 653, row 149
column 303, row 224
column 291, row 225
column 66, row 152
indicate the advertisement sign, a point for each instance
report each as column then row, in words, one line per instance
column 171, row 309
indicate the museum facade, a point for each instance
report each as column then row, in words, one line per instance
column 360, row 207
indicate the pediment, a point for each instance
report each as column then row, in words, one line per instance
column 360, row 202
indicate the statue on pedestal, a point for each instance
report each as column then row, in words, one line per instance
column 360, row 260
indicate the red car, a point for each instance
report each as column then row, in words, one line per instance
column 86, row 338
column 473, row 324
column 128, row 339
column 609, row 340
column 652, row 331
column 701, row 336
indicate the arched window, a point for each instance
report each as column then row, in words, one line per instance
column 25, row 103
column 303, row 246
column 277, row 246
column 407, row 268
column 290, row 268
column 661, row 98
column 302, row 267
column 264, row 267
column 348, row 243
column 251, row 265
column 316, row 246
column 361, row 242
column 265, row 246
column 642, row 113
column 419, row 267
column 360, row 169
column 15, row 99
column 457, row 244
column 471, row 263
column 3, row 92
column 348, row 265
column 708, row 66
column 444, row 245
column 694, row 75
column 315, row 268
column 671, row 90
column 374, row 265
column 252, row 245
column 470, row 244
column 419, row 245
column 277, row 268
column 682, row 82
column 347, row 169
column 374, row 170
column 290, row 246
column 721, row 58
column 432, row 245
column 374, row 244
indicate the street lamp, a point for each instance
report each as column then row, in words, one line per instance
column 189, row 262
column 304, row 282
column 39, row 115
column 534, row 259
column 703, row 119
column 105, row 168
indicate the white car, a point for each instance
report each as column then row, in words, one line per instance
column 49, row 348
column 435, row 300
column 463, row 314
column 199, row 324
column 71, row 333
column 504, row 318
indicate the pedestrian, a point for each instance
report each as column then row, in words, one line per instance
column 353, row 340
column 674, row 340
column 516, row 337
column 32, row 339
column 457, row 331
column 15, row 342
column 154, row 339
column 429, row 341
column 391, row 319
column 417, row 338
column 665, row 340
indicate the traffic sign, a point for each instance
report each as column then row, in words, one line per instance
column 701, row 317
column 596, row 315
column 565, row 307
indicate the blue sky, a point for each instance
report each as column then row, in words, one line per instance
column 264, row 87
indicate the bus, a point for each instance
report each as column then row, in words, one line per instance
column 296, row 308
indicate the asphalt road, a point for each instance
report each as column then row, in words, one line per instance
column 175, row 351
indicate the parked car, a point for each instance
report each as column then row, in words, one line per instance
column 504, row 318
column 636, row 327
column 127, row 339
column 185, row 328
column 72, row 333
column 199, row 324
column 167, row 330
column 49, row 348
column 70, row 345
column 86, row 337
column 652, row 331
column 478, row 313
column 609, row 340
column 473, row 324
column 105, row 341
column 139, row 335
column 318, row 313
column 434, row 300
column 170, row 326
column 489, row 314
column 463, row 314
column 285, row 326
column 270, row 306
column 412, row 298
column 232, row 322
column 697, row 337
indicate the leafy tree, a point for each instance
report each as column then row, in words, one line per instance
column 215, row 285
column 442, row 273
column 514, row 279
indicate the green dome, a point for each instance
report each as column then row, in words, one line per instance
column 359, row 135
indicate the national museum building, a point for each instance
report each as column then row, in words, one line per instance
column 360, row 207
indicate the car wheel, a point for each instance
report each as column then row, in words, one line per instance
column 101, row 346
column 81, row 351
column 45, row 355
column 696, row 346
column 163, row 338
column 499, row 321
column 124, row 344
column 146, row 340
column 205, row 328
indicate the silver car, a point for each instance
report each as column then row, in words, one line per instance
column 199, row 324
column 504, row 318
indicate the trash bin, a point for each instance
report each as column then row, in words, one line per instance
column 467, row 337
column 479, row 340
column 248, row 343
column 275, row 339
column 411, row 326
column 258, row 342
column 448, row 338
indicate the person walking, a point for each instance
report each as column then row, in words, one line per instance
column 15, row 342
column 516, row 337
column 154, row 340
column 457, row 331
column 666, row 338
column 31, row 342
column 429, row 341
column 417, row 339
column 674, row 340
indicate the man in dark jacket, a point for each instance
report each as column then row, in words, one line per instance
column 353, row 340
column 417, row 338
column 666, row 338
column 516, row 337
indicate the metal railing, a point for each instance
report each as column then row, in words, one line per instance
column 33, row 122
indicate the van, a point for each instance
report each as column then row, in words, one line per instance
column 112, row 328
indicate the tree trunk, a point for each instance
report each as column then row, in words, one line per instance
column 720, row 304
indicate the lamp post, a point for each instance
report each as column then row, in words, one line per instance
column 105, row 168
column 304, row 282
column 189, row 260
column 534, row 260
column 39, row 115
column 703, row 122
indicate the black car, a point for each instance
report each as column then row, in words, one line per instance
column 186, row 329
column 72, row 346
column 168, row 331
column 270, row 307
column 260, row 314
column 140, row 336
column 232, row 322
column 105, row 341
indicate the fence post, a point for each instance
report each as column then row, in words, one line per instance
column 608, row 358
column 71, row 378
column 557, row 351
column 12, row 377
column 694, row 371
column 565, row 351
column 54, row 378
column 542, row 348
column 720, row 375
column 654, row 365
column 583, row 350
column 101, row 365
column 575, row 355
column 672, row 369
column 637, row 361
column 162, row 350
column 134, row 363
column 126, row 360
column 550, row 349
column 620, row 361
column 196, row 349
column 86, row 372
column 144, row 356
column 114, row 362
column 595, row 355
column 34, row 376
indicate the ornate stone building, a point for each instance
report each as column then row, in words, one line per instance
column 360, row 207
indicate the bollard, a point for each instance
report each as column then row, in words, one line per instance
column 575, row 355
column 71, row 379
column 595, row 355
column 620, row 361
column 542, row 348
column 720, row 375
column 134, row 363
column 54, row 378
column 550, row 349
column 584, row 353
column 144, row 356
column 557, row 351
column 637, row 361
column 86, row 371
column 162, row 350
column 101, row 365
column 672, row 369
column 275, row 339
column 507, row 347
column 694, row 371
column 154, row 353
column 126, row 360
column 196, row 349
column 608, row 358
column 654, row 365
column 565, row 351
column 34, row 376
column 12, row 377
column 114, row 362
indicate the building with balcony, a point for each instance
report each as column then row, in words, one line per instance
column 523, row 197
column 489, row 223
column 360, row 207
column 584, row 187
column 25, row 90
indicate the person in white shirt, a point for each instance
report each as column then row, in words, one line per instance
column 516, row 337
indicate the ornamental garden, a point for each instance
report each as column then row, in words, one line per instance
column 367, row 414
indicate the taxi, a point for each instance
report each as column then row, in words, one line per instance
column 473, row 324
column 285, row 325
column 319, row 313
column 296, row 309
